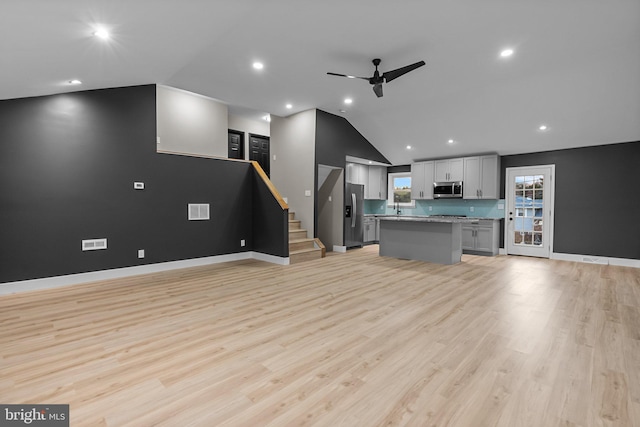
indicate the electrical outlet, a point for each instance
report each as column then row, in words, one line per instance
column 500, row 206
column 307, row 193
column 329, row 198
column 140, row 253
column 274, row 157
column 242, row 243
column 472, row 209
column 138, row 185
column 158, row 140
column 430, row 208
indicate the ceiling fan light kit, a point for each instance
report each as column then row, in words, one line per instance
column 377, row 79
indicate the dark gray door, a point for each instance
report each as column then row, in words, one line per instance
column 259, row 151
column 236, row 144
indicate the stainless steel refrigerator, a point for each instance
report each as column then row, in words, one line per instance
column 353, row 215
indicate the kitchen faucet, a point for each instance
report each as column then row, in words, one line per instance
column 398, row 211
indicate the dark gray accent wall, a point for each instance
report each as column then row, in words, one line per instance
column 336, row 138
column 597, row 201
column 67, row 167
column 270, row 222
column 399, row 169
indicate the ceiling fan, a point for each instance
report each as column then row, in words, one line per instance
column 386, row 77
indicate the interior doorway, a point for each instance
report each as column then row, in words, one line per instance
column 529, row 221
column 235, row 144
column 330, row 205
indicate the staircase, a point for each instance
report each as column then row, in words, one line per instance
column 301, row 247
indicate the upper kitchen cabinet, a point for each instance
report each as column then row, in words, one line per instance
column 449, row 170
column 357, row 173
column 376, row 186
column 422, row 180
column 481, row 177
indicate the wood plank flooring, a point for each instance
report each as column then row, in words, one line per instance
column 349, row 340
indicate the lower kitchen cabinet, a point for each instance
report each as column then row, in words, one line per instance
column 482, row 237
column 371, row 230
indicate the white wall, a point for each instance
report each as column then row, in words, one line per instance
column 190, row 123
column 256, row 127
column 293, row 141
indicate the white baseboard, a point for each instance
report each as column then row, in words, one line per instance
column 337, row 248
column 592, row 259
column 270, row 258
column 502, row 251
column 116, row 273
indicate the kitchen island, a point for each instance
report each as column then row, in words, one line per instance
column 437, row 240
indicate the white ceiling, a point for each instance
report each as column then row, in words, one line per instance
column 576, row 65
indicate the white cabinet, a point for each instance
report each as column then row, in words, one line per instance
column 481, row 237
column 449, row 170
column 376, row 187
column 369, row 225
column 481, row 177
column 422, row 180
column 374, row 179
column 357, row 173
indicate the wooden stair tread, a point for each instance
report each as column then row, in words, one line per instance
column 301, row 251
column 306, row 239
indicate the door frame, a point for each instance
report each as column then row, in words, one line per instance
column 551, row 202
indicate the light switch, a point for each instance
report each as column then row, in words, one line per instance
column 501, row 206
column 329, row 198
column 140, row 253
column 472, row 209
column 307, row 193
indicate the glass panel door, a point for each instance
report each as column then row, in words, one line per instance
column 529, row 211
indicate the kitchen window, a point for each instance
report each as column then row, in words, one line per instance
column 400, row 190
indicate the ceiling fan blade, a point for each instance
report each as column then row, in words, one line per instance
column 394, row 74
column 377, row 89
column 348, row 76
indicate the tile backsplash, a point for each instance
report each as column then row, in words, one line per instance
column 475, row 208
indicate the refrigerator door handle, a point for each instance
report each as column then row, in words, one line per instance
column 353, row 206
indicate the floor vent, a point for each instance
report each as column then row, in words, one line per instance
column 593, row 260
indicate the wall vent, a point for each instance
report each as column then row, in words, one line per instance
column 198, row 211
column 94, row 244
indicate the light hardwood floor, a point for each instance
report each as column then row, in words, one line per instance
column 349, row 340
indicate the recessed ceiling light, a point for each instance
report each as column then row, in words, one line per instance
column 543, row 128
column 450, row 141
column 351, row 77
column 266, row 118
column 102, row 33
column 343, row 111
column 258, row 65
column 506, row 53
column 370, row 162
column 289, row 106
column 75, row 82
column 408, row 147
column 348, row 100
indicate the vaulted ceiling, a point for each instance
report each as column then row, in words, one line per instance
column 575, row 66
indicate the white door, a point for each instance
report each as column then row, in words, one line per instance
column 529, row 219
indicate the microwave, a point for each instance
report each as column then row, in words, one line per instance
column 447, row 190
